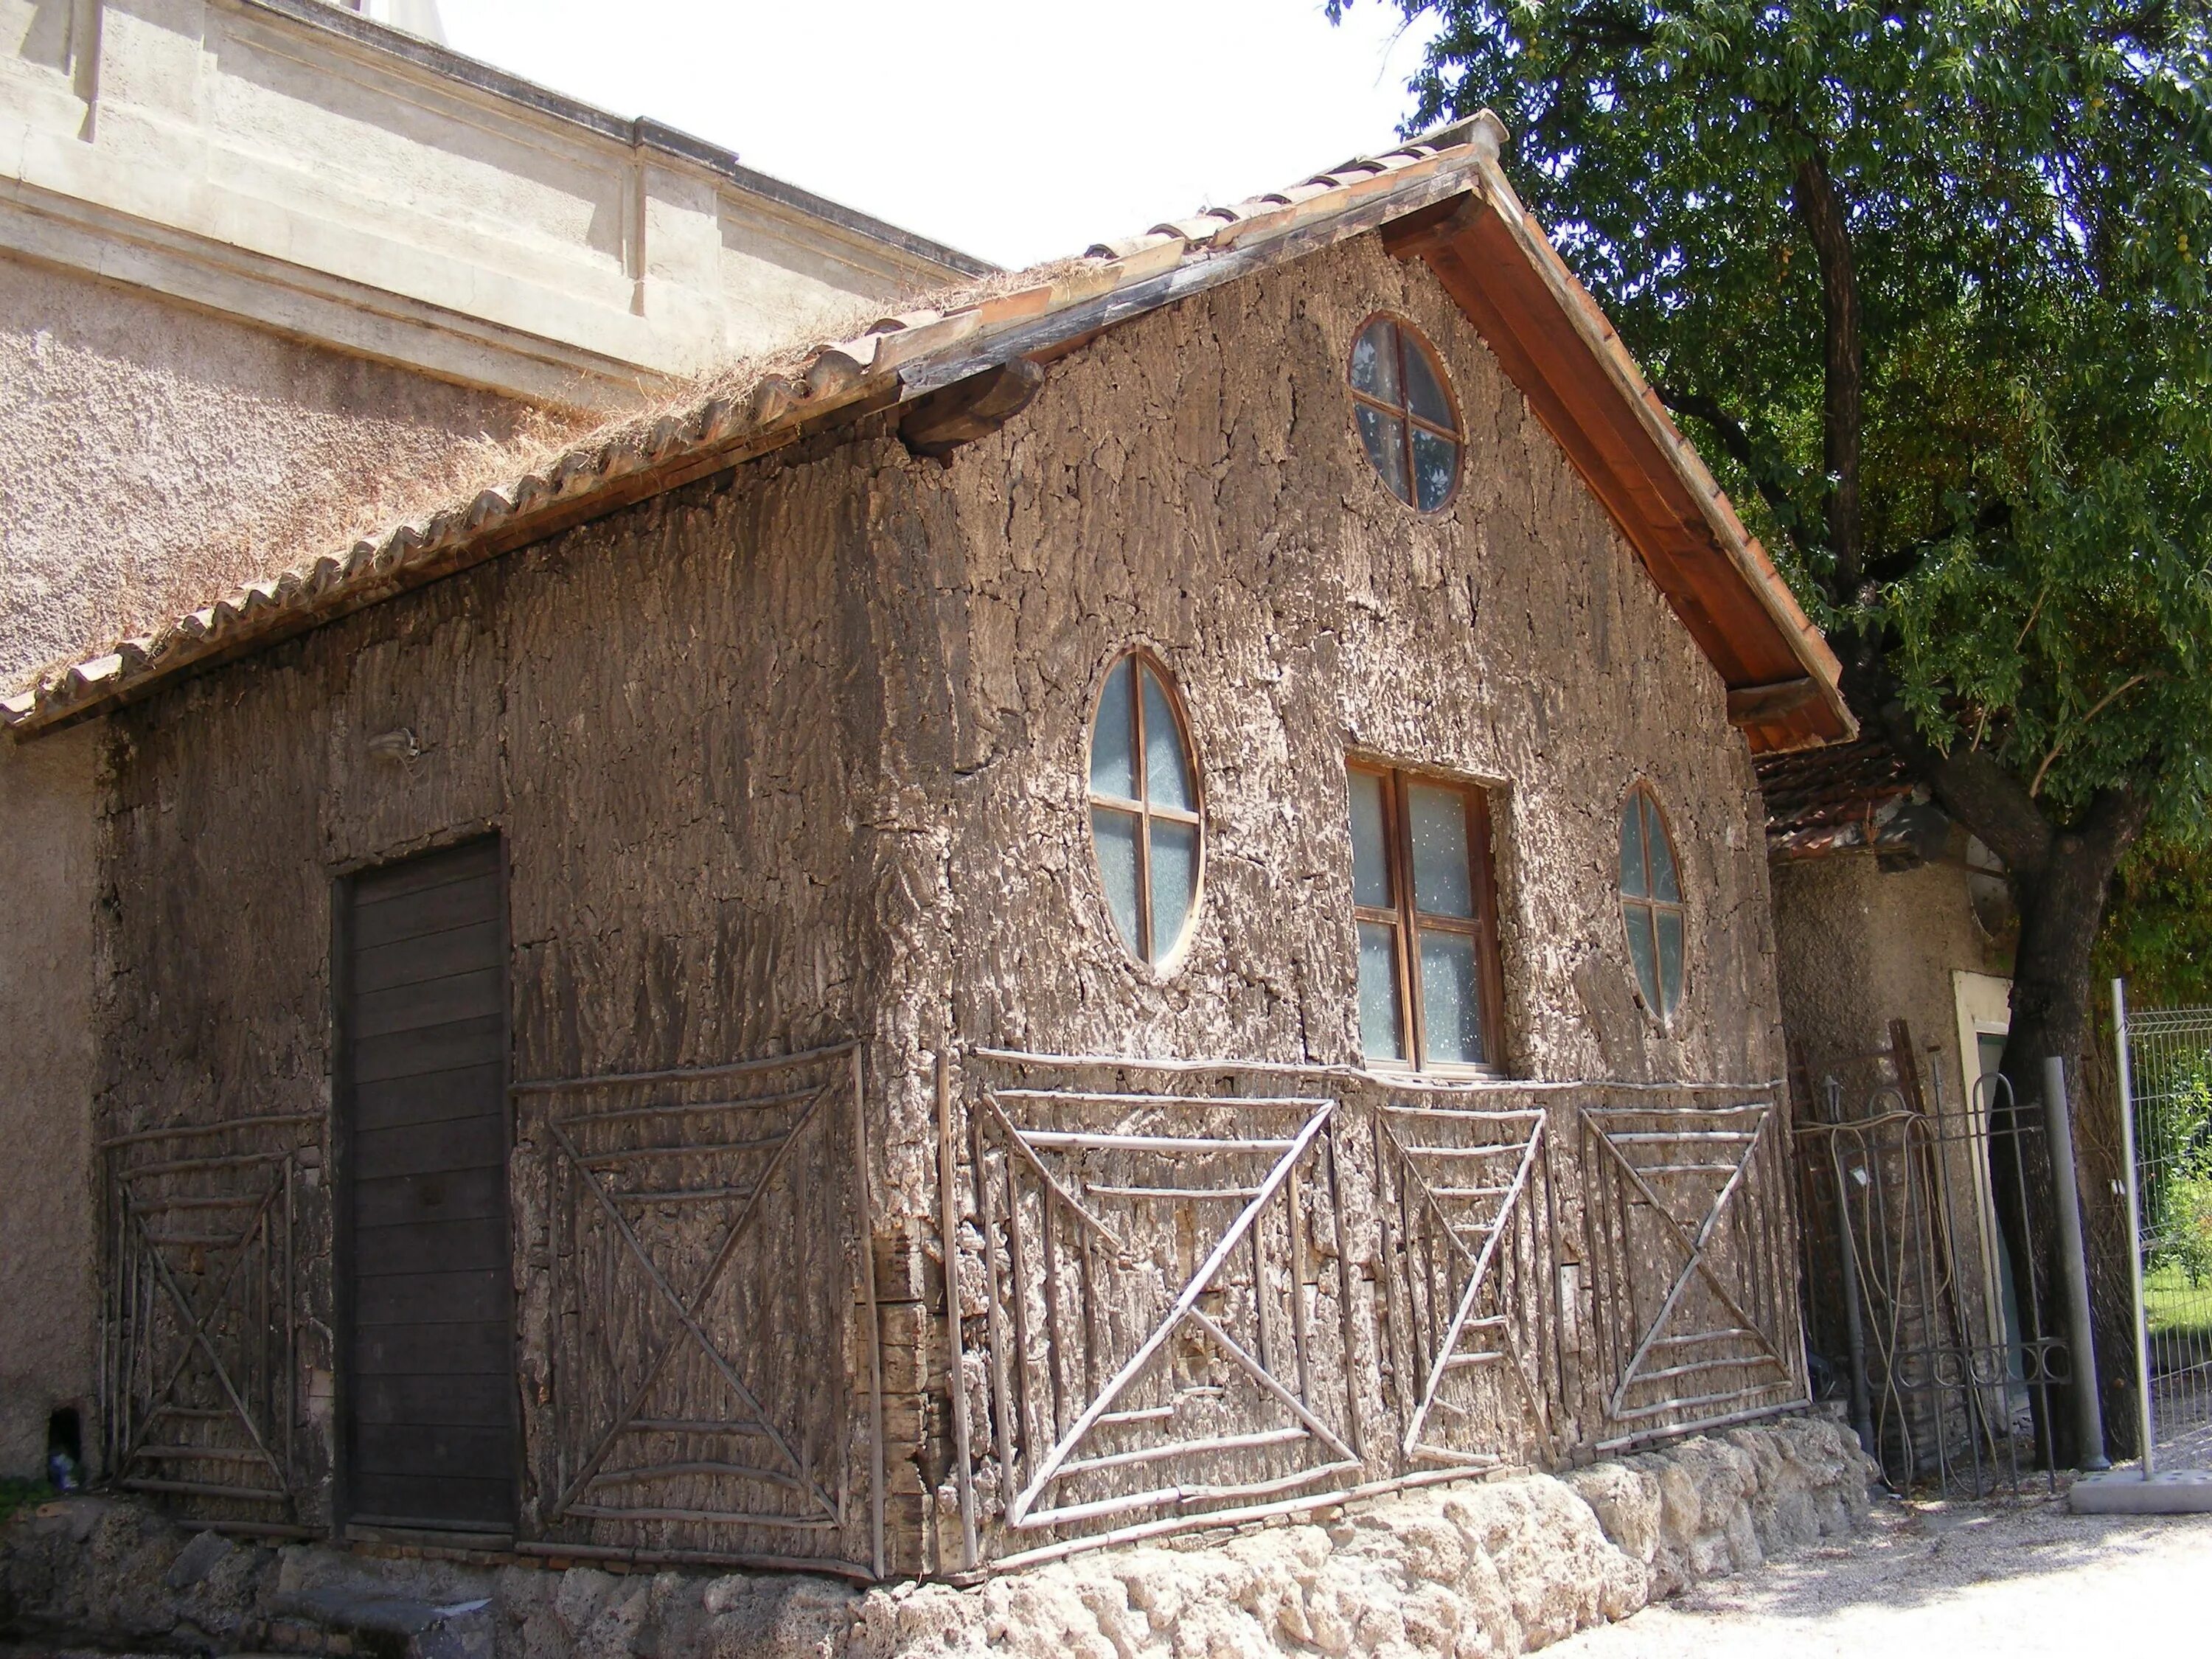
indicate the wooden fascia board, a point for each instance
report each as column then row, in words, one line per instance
column 1556, row 346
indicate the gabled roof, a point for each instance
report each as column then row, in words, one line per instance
column 1442, row 200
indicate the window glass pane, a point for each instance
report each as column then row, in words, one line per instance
column 1375, row 361
column 1175, row 882
column 1167, row 774
column 1442, row 884
column 1640, row 949
column 1663, row 884
column 1114, row 834
column 1385, row 439
column 1631, row 849
column 1670, row 959
column 1378, row 993
column 1370, row 845
column 1113, row 739
column 1451, row 1018
column 1423, row 393
column 1435, row 463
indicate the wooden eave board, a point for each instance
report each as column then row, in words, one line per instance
column 1597, row 423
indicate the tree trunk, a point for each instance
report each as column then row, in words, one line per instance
column 2062, row 905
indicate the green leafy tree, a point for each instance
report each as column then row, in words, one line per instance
column 1927, row 284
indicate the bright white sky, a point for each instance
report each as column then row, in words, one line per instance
column 1015, row 129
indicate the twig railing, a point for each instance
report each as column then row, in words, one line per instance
column 1212, row 1290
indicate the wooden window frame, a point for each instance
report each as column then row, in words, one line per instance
column 1406, row 922
column 1409, row 338
column 1143, row 808
column 1653, row 906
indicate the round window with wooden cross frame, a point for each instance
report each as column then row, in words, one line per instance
column 1402, row 406
column 1652, row 901
column 1145, row 824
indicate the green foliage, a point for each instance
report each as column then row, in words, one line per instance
column 21, row 1495
column 2028, row 193
column 2174, row 1130
column 2158, row 932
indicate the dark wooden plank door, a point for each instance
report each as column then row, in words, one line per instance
column 431, row 1395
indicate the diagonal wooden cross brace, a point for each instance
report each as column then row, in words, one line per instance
column 686, row 1312
column 196, row 1324
column 1477, row 1277
column 1694, row 1264
column 1185, row 1310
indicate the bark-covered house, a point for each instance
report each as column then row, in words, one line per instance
column 1211, row 785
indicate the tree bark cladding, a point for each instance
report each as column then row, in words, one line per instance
column 795, row 756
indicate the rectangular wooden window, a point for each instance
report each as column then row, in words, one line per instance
column 1426, row 911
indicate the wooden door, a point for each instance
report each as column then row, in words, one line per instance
column 425, row 1272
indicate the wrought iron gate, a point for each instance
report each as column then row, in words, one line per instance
column 2165, row 1071
column 1910, row 1281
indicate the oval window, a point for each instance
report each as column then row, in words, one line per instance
column 1404, row 411
column 1652, row 901
column 1144, row 809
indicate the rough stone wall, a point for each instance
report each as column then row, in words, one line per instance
column 796, row 754
column 1465, row 1569
column 47, row 1284
column 160, row 453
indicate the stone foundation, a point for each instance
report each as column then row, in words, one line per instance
column 1499, row 1566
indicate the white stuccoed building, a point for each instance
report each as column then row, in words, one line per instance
column 261, row 262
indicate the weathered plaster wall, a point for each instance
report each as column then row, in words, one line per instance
column 1194, row 481
column 796, row 755
column 160, row 454
column 46, row 1288
column 672, row 719
column 1859, row 946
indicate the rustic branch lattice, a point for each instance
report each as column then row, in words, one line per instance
column 199, row 1360
column 1167, row 1320
column 1463, row 1217
column 1699, row 1194
column 1218, row 1289
column 712, row 1306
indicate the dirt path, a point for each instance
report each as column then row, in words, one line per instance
column 2024, row 1580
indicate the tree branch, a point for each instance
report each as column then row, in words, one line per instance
column 1978, row 791
column 1812, row 196
column 2102, row 704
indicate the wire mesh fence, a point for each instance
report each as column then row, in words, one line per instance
column 2168, row 1056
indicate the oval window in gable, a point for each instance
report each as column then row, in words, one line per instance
column 1145, row 825
column 1403, row 406
column 1652, row 901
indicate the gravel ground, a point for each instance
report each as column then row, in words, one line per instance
column 2023, row 1579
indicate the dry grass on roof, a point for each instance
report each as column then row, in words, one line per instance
column 362, row 486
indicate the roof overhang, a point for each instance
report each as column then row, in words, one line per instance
column 1443, row 200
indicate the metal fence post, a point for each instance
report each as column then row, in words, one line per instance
column 2088, row 1410
column 2143, row 1426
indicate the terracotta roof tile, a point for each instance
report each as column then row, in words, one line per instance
column 1845, row 797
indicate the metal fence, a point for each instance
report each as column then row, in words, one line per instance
column 1912, row 1300
column 2165, row 1071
